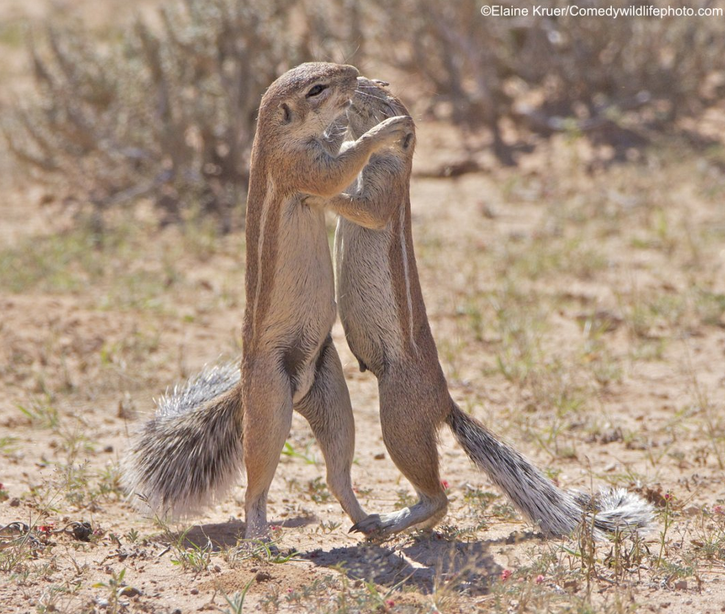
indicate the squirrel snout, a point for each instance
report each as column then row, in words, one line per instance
column 378, row 82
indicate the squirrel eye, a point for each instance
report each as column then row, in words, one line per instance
column 316, row 90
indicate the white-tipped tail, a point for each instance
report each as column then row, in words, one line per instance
column 617, row 510
column 555, row 511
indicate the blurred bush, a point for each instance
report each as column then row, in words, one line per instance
column 552, row 74
column 167, row 113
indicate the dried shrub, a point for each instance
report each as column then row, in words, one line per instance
column 166, row 113
column 595, row 69
column 550, row 74
column 453, row 50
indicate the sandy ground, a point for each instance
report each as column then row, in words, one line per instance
column 579, row 315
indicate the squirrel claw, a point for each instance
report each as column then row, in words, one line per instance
column 371, row 526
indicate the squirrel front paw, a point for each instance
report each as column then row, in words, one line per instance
column 391, row 130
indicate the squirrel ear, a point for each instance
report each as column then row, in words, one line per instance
column 286, row 113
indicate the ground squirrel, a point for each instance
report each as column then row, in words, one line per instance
column 382, row 311
column 191, row 452
column 192, row 449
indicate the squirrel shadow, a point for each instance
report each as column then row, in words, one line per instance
column 428, row 563
column 223, row 535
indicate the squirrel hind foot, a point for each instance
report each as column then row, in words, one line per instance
column 424, row 514
column 378, row 527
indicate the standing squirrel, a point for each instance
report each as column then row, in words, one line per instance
column 191, row 452
column 382, row 311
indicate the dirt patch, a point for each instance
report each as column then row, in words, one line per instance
column 580, row 314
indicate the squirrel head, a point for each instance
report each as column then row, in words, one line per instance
column 373, row 103
column 306, row 100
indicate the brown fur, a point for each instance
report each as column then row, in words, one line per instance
column 289, row 360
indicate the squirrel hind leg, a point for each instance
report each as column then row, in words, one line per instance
column 417, row 458
column 328, row 410
column 410, row 436
column 267, row 422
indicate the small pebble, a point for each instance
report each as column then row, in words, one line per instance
column 130, row 591
column 571, row 585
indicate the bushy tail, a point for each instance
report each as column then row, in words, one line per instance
column 555, row 511
column 190, row 453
